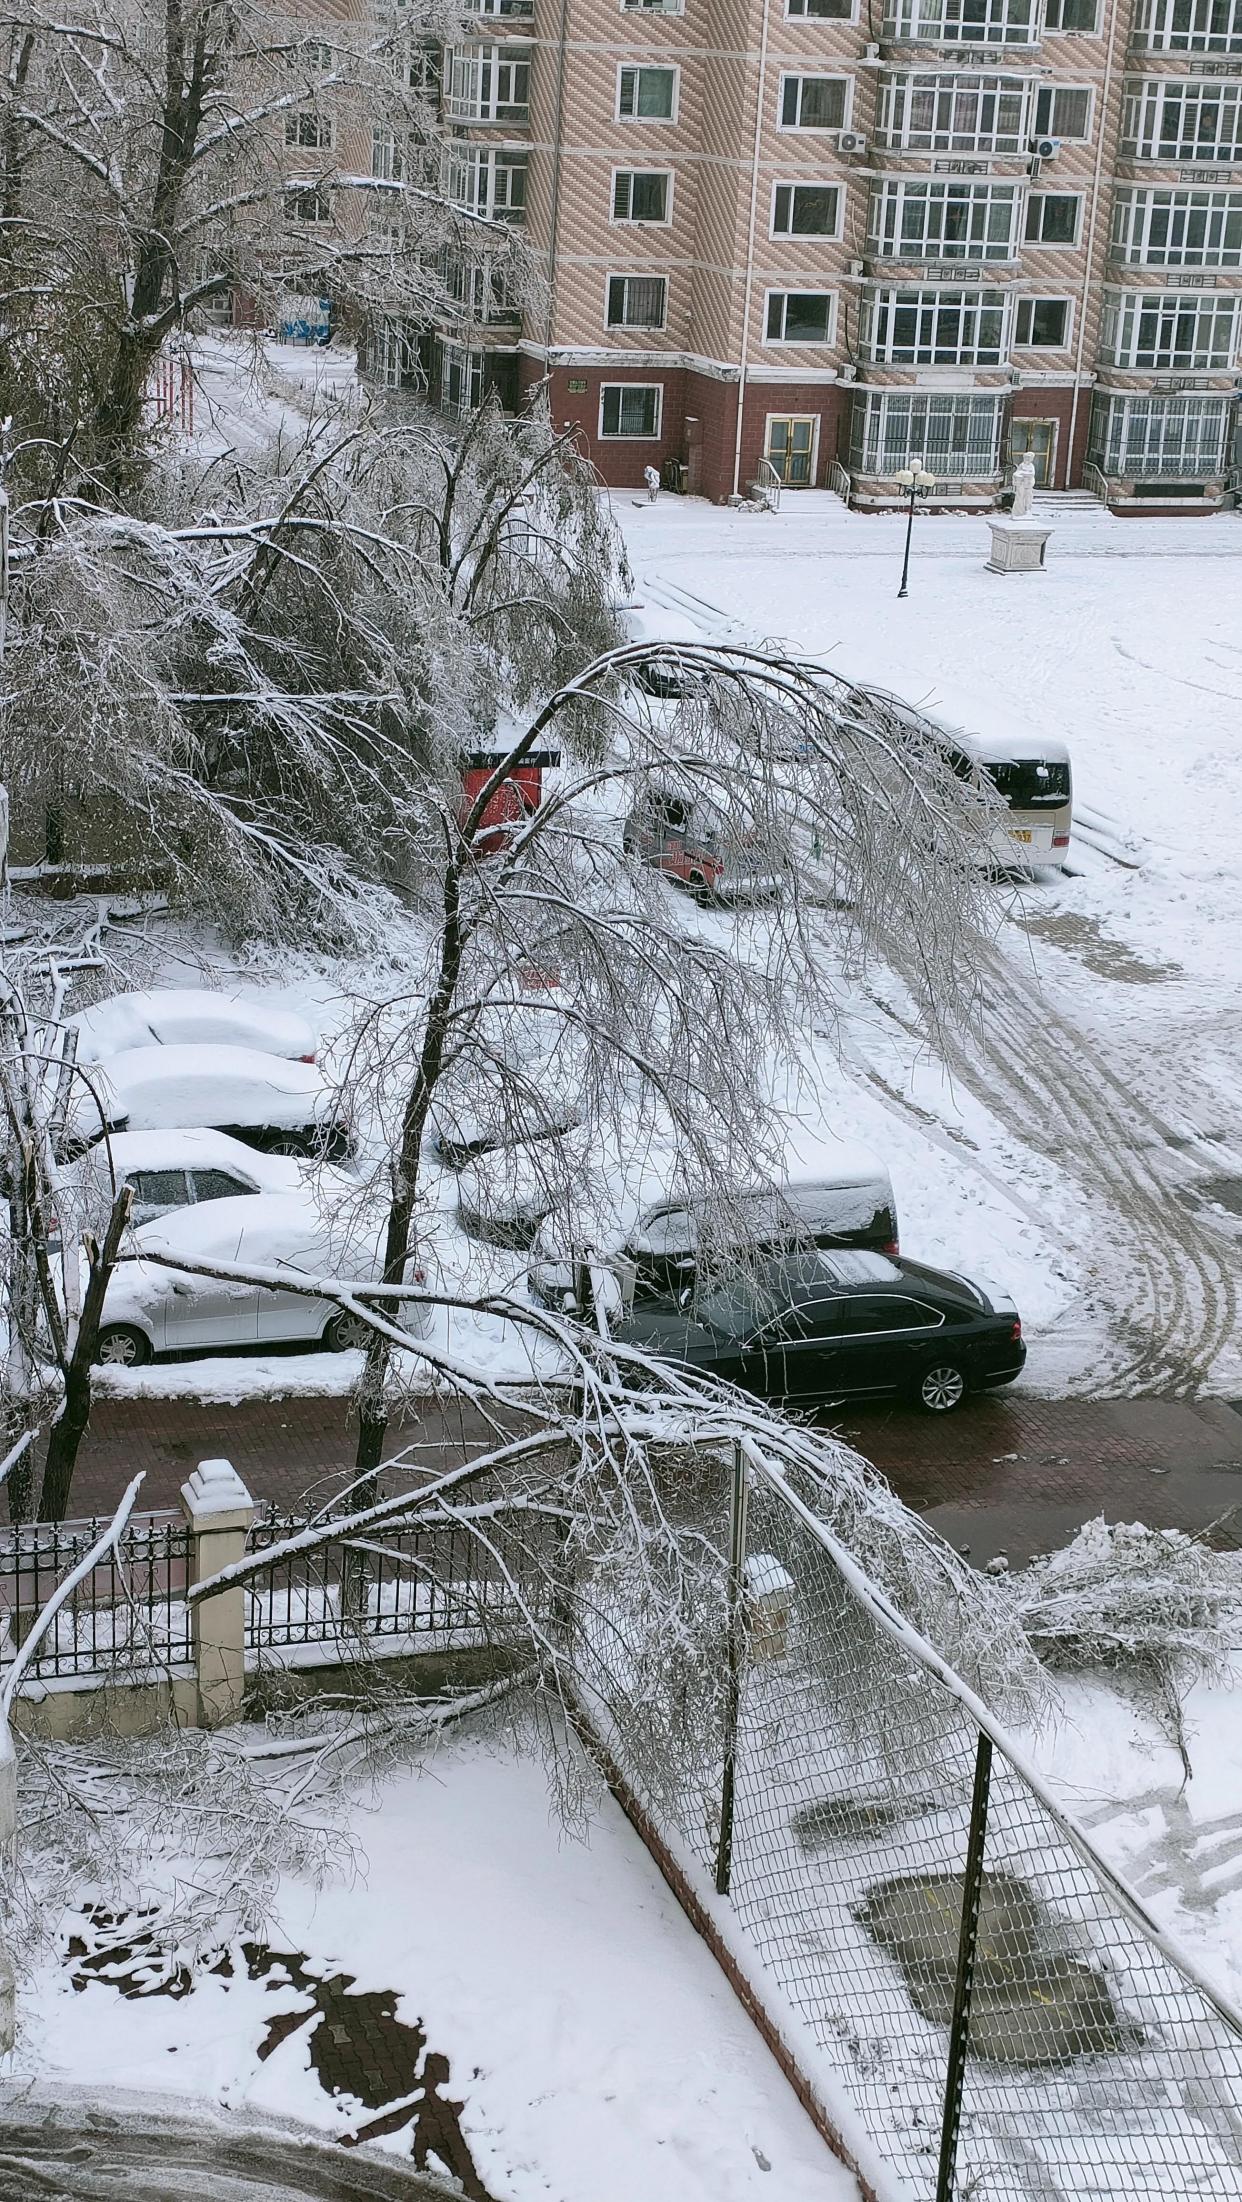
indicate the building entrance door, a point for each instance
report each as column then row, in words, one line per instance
column 1037, row 440
column 791, row 449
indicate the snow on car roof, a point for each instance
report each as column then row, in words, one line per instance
column 180, row 1015
column 260, row 1230
column 191, row 1149
column 1000, row 745
column 857, row 1266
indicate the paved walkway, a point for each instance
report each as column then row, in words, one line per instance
column 1010, row 1473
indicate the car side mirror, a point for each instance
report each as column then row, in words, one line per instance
column 685, row 1296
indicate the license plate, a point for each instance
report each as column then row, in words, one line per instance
column 1019, row 833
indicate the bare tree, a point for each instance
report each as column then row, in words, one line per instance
column 156, row 159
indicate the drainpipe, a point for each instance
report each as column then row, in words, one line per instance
column 557, row 152
column 748, row 285
column 1093, row 219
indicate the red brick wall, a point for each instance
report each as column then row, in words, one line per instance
column 1058, row 405
column 830, row 401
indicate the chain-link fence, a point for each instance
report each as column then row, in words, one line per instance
column 1002, row 2012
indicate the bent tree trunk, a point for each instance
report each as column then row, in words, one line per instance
column 70, row 1426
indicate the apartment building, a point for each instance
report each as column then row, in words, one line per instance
column 834, row 235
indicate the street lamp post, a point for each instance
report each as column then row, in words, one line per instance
column 918, row 482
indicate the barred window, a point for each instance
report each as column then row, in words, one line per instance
column 916, row 219
column 956, row 434
column 1189, row 26
column 637, row 302
column 962, row 22
column 954, row 114
column 1186, row 329
column 1166, row 119
column 1178, row 229
column 1147, row 437
column 935, row 328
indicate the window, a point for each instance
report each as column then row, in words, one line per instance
column 962, row 22
column 956, row 433
column 218, row 1185
column 503, row 7
column 637, row 302
column 839, row 11
column 461, row 379
column 1042, row 324
column 486, row 180
column 806, row 210
column 954, row 114
column 641, row 194
column 309, row 203
column 798, row 317
column 1165, row 119
column 881, row 1313
column 1186, row 329
column 652, row 7
column 1063, row 112
column 647, row 95
column 488, row 84
column 1189, row 26
column 935, row 328
column 310, row 133
column 387, row 161
column 1052, row 218
column 631, row 409
column 160, row 1188
column 1178, row 229
column 1072, row 15
column 1150, row 437
column 915, row 219
column 813, row 102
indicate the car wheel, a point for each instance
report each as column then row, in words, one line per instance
column 288, row 1143
column 346, row 1333
column 941, row 1387
column 119, row 1347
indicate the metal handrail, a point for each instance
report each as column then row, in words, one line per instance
column 1094, row 483
column 768, row 480
column 839, row 480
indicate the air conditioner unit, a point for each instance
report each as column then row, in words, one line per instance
column 849, row 141
column 1045, row 149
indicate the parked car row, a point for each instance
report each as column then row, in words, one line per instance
column 211, row 1108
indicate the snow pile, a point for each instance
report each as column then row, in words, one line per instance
column 1148, row 1601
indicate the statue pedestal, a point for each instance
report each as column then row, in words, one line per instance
column 1018, row 546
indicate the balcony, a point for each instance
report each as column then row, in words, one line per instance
column 1187, row 27
column 1008, row 26
column 487, row 84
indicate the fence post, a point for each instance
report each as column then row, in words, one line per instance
column 968, row 1940
column 738, row 1504
column 219, row 1510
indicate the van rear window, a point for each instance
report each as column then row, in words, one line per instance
column 1030, row 783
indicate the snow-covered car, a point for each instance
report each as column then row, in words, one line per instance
column 151, row 1308
column 269, row 1103
column 178, row 1169
column 184, row 1016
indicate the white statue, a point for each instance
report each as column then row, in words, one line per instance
column 1023, row 487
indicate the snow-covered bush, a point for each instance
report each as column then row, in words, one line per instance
column 1125, row 1596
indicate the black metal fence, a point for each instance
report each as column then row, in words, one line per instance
column 129, row 1611
column 434, row 1586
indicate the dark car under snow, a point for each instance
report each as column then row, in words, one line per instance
column 821, row 1326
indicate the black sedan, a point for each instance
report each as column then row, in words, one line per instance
column 821, row 1326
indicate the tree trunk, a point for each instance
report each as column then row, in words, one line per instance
column 70, row 1426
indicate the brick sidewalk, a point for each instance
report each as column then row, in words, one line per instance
column 1011, row 1473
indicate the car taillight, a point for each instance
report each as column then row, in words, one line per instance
column 418, row 1276
column 891, row 1247
column 306, row 1058
column 1015, row 1329
column 1060, row 840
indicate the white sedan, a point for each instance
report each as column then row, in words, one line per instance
column 151, row 1308
column 265, row 1100
column 181, row 1016
column 177, row 1169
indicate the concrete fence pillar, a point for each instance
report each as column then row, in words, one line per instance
column 219, row 1510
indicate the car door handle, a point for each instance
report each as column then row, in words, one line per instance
column 182, row 1290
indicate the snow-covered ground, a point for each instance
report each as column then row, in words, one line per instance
column 1084, row 1145
column 600, row 2053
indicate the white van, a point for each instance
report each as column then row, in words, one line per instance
column 851, row 1204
